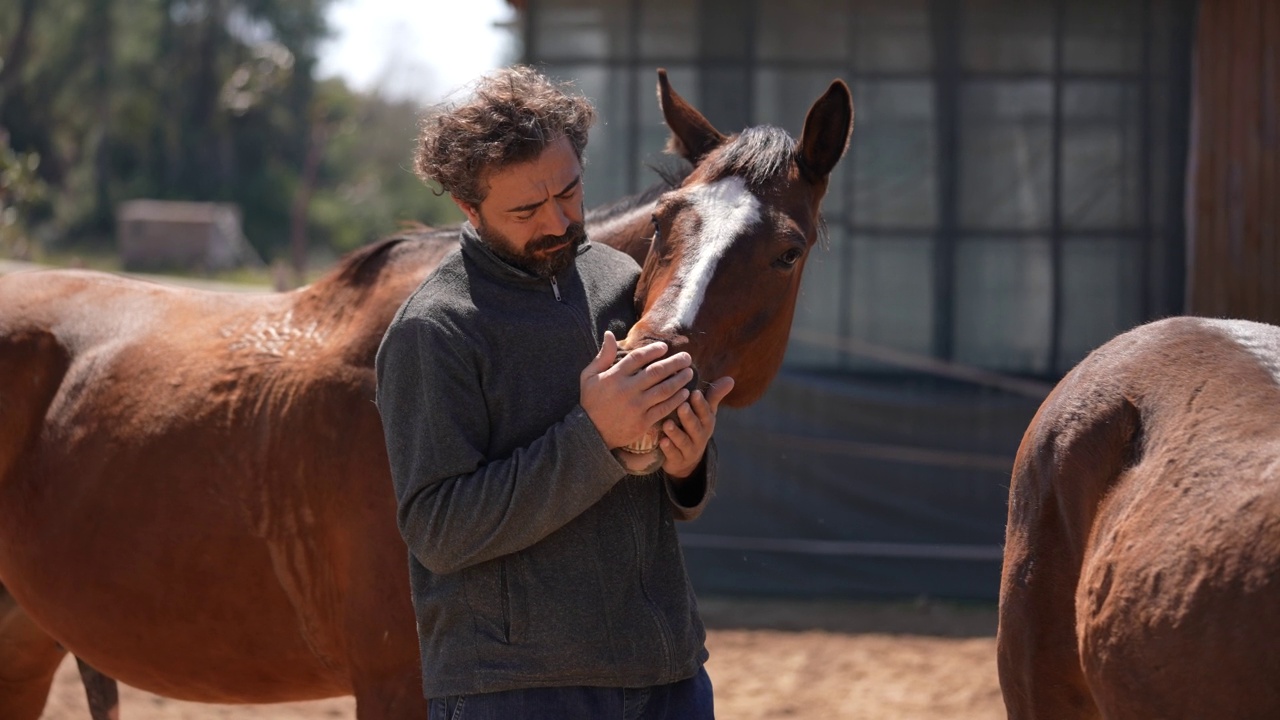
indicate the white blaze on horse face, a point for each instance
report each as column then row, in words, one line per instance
column 726, row 209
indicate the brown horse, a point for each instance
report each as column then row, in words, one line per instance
column 194, row 491
column 1142, row 559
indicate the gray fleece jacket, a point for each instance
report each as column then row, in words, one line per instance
column 534, row 560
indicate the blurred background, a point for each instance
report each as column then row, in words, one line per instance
column 1027, row 179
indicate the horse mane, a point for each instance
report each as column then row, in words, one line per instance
column 363, row 265
column 758, row 155
column 670, row 175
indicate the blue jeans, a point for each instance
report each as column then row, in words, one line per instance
column 685, row 700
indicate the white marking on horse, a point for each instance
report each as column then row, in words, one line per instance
column 278, row 336
column 727, row 209
column 1260, row 341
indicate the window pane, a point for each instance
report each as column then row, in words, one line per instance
column 1007, row 36
column 893, row 292
column 894, row 155
column 818, row 307
column 605, row 173
column 1102, row 36
column 579, row 29
column 1003, row 303
column 891, row 36
column 802, row 29
column 1101, row 156
column 668, row 29
column 1005, row 155
column 724, row 30
column 1101, row 294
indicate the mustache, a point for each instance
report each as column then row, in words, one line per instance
column 575, row 234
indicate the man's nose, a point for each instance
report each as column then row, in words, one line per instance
column 554, row 219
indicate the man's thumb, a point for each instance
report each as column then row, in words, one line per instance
column 608, row 353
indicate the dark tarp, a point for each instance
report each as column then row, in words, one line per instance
column 889, row 487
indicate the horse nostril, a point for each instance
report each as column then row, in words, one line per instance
column 693, row 382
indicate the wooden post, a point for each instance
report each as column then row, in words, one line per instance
column 1233, row 179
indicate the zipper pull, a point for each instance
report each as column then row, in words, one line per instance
column 555, row 288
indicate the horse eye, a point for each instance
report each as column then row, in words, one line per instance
column 790, row 257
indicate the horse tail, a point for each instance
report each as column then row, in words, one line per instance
column 102, row 692
column 32, row 365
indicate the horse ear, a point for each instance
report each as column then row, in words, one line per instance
column 826, row 132
column 692, row 135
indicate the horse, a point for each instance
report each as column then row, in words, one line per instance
column 1141, row 573
column 194, row 491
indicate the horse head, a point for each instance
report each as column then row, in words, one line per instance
column 730, row 244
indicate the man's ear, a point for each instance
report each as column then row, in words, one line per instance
column 471, row 211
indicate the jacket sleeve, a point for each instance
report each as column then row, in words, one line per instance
column 689, row 497
column 454, row 508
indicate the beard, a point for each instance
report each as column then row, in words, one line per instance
column 534, row 258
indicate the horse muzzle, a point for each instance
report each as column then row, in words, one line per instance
column 644, row 455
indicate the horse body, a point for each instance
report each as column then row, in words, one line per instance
column 194, row 491
column 174, row 429
column 1142, row 558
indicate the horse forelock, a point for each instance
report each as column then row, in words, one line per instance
column 759, row 155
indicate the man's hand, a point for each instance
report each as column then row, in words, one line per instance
column 625, row 399
column 684, row 444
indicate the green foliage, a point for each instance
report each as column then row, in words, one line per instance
column 198, row 100
column 367, row 185
column 23, row 195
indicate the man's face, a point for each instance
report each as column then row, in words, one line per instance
column 532, row 215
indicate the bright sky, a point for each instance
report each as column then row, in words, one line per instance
column 422, row 50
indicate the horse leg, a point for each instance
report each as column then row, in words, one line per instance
column 386, row 674
column 395, row 696
column 1073, row 452
column 28, row 660
column 101, row 691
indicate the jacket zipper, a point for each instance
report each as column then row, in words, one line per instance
column 583, row 324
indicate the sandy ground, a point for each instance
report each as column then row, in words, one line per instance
column 769, row 659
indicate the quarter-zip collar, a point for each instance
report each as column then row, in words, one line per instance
column 478, row 252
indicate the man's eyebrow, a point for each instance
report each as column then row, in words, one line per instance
column 535, row 205
column 569, row 188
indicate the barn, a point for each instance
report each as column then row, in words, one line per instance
column 1026, row 180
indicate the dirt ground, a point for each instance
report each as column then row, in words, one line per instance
column 769, row 659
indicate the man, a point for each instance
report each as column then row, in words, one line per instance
column 547, row 583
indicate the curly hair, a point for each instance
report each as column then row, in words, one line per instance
column 511, row 117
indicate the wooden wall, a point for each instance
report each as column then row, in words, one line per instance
column 1233, row 198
